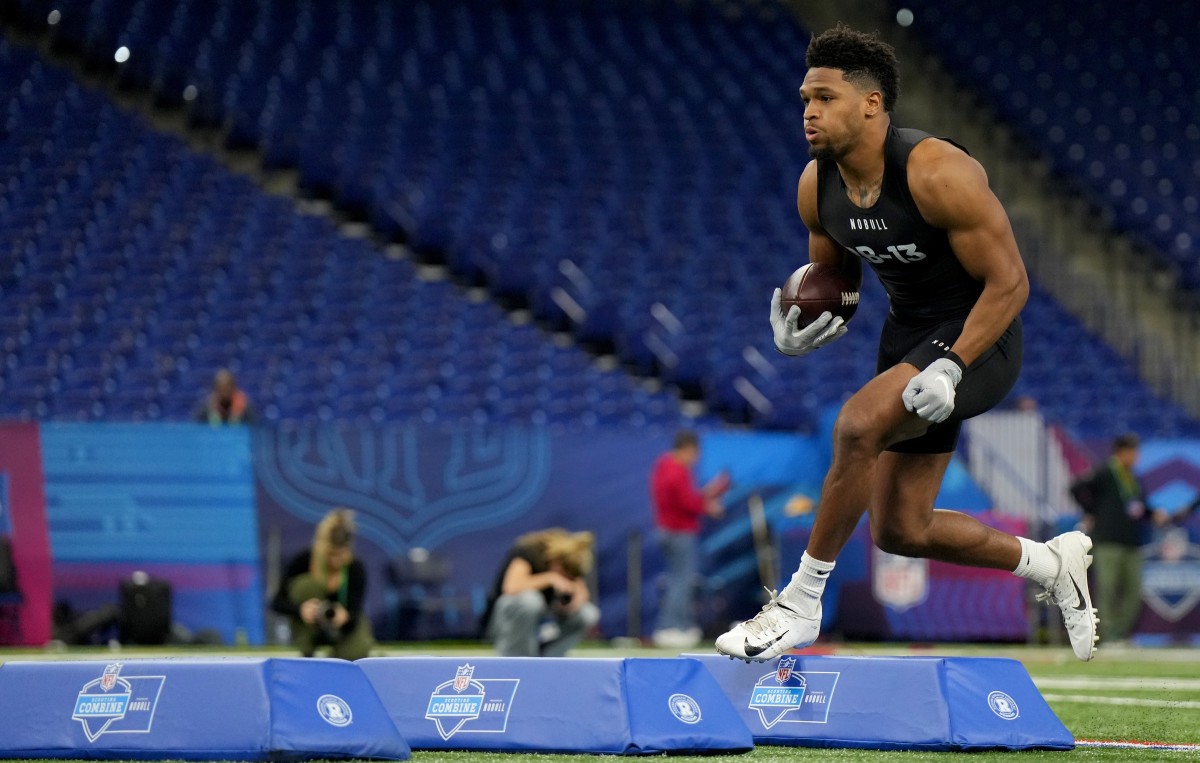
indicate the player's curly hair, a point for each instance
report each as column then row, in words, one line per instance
column 863, row 58
column 573, row 551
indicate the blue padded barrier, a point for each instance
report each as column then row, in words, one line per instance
column 216, row 709
column 890, row 703
column 611, row 706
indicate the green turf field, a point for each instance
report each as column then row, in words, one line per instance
column 1145, row 695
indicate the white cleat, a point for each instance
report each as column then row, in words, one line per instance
column 1070, row 591
column 776, row 629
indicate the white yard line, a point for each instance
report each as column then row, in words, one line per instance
column 1091, row 699
column 1139, row 745
column 1139, row 682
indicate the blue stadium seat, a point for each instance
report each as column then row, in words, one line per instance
column 1097, row 139
column 621, row 169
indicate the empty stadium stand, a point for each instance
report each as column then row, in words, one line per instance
column 1106, row 92
column 623, row 170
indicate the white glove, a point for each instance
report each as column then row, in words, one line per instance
column 930, row 394
column 796, row 342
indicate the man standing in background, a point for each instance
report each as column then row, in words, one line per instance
column 678, row 507
column 1115, row 513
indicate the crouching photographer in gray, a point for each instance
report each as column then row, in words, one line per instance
column 540, row 605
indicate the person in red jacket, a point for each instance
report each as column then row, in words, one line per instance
column 678, row 507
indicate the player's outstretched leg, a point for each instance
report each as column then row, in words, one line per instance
column 1069, row 590
column 779, row 627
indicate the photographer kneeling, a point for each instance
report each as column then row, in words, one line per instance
column 540, row 604
column 322, row 592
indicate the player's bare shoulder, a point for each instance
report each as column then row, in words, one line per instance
column 806, row 196
column 944, row 181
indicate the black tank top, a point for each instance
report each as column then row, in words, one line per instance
column 924, row 280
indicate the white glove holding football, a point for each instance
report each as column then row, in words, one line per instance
column 794, row 341
column 930, row 394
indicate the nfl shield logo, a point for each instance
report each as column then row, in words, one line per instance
column 1171, row 575
column 1174, row 545
column 108, row 678
column 899, row 582
column 784, row 670
column 462, row 677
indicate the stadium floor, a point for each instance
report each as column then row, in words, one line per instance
column 1146, row 700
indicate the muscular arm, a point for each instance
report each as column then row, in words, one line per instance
column 821, row 247
column 951, row 191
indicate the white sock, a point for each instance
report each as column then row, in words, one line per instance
column 804, row 591
column 1038, row 563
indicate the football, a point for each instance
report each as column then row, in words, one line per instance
column 817, row 288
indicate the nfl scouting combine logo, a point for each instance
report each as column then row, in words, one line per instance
column 789, row 696
column 116, row 704
column 469, row 705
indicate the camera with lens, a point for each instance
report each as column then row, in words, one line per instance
column 561, row 598
column 326, row 612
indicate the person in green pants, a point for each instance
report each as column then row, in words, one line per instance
column 1115, row 515
column 322, row 592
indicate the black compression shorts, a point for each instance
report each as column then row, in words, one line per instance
column 984, row 384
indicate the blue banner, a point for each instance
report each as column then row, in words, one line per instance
column 6, row 527
column 173, row 500
column 228, row 709
column 463, row 496
column 603, row 706
column 966, row 703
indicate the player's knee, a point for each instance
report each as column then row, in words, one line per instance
column 901, row 541
column 855, row 431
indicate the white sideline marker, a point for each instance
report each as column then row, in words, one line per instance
column 1139, row 745
column 1091, row 699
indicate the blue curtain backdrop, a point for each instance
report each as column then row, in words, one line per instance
column 463, row 495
